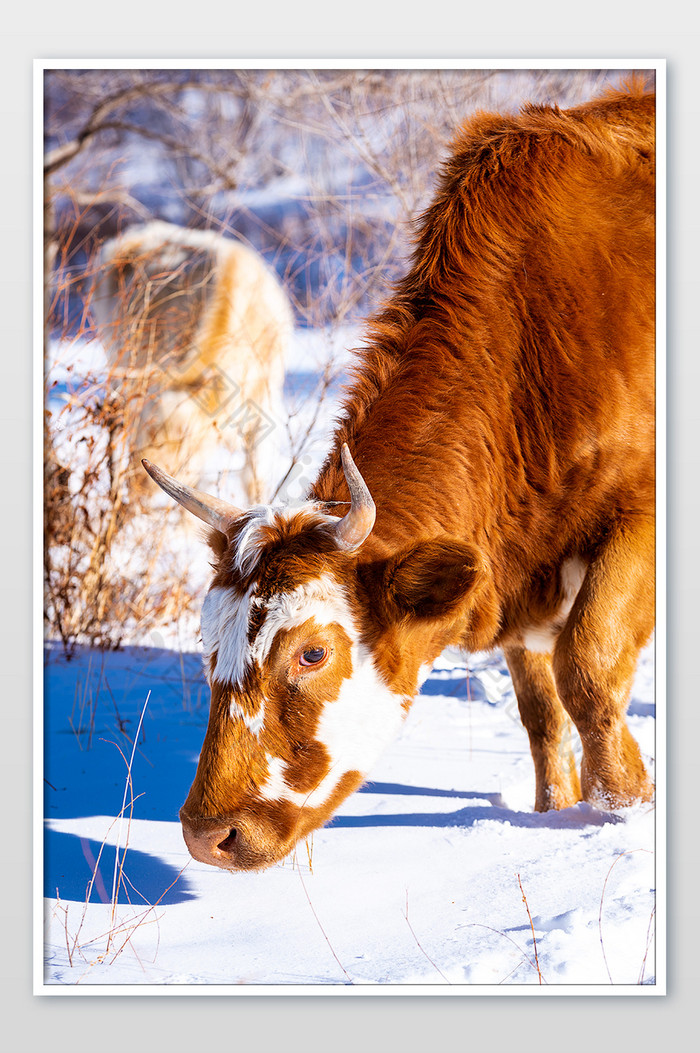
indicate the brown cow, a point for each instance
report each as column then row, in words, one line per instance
column 503, row 420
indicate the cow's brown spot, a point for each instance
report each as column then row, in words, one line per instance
column 307, row 767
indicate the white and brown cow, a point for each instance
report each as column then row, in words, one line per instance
column 502, row 420
column 202, row 325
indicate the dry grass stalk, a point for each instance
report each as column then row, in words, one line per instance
column 420, row 946
column 614, row 863
column 323, row 931
column 532, row 929
column 120, row 932
column 96, row 521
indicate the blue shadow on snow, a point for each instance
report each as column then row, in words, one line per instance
column 466, row 817
column 427, row 791
column 70, row 861
column 577, row 817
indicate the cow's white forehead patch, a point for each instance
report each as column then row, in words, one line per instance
column 253, row 537
column 322, row 599
column 226, row 619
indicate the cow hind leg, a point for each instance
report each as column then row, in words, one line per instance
column 595, row 659
column 548, row 727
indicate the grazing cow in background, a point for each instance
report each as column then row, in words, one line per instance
column 205, row 325
column 496, row 460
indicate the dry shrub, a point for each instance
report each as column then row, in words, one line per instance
column 108, row 574
column 106, row 569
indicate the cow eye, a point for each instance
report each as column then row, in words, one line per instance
column 312, row 656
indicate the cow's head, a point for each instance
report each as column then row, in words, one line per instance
column 313, row 658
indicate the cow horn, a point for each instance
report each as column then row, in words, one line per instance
column 211, row 510
column 355, row 527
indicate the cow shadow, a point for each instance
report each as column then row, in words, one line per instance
column 469, row 689
column 81, row 869
column 428, row 791
column 577, row 817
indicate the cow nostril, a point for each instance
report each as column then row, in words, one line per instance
column 228, row 842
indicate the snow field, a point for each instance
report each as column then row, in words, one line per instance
column 415, row 881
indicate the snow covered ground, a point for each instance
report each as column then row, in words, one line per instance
column 436, row 873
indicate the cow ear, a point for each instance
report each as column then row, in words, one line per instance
column 433, row 579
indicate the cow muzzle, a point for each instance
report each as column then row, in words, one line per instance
column 231, row 844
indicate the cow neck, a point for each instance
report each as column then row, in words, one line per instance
column 410, row 508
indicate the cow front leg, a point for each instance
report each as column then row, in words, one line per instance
column 548, row 728
column 595, row 659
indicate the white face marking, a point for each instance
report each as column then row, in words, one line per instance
column 225, row 630
column 251, row 540
column 275, row 788
column 542, row 638
column 321, row 598
column 226, row 616
column 254, row 722
column 364, row 718
column 354, row 729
